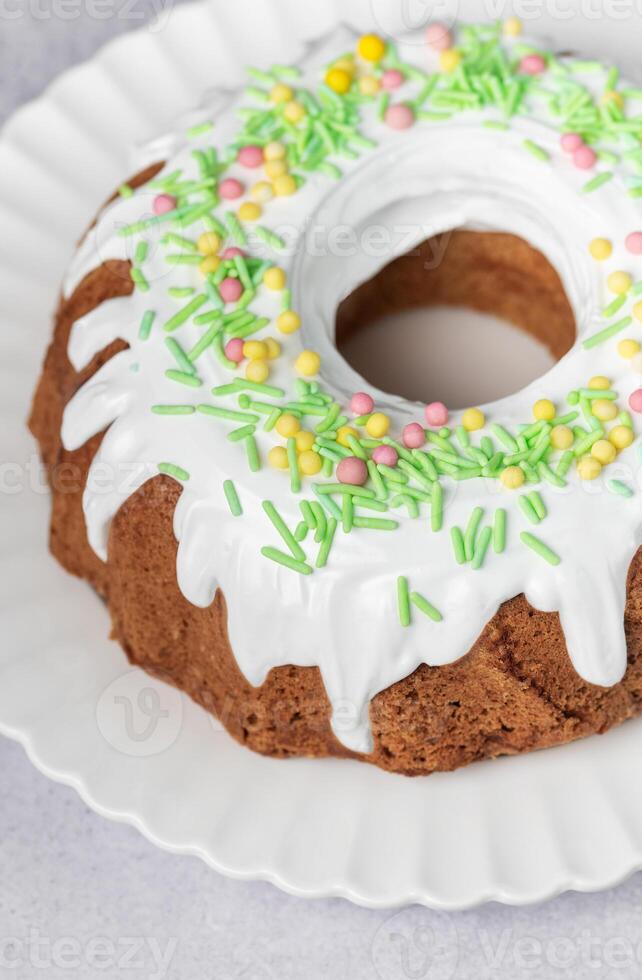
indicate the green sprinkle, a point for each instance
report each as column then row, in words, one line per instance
column 293, row 462
column 270, row 238
column 182, row 377
column 170, row 469
column 597, row 182
column 536, row 150
column 239, row 434
column 179, row 356
column 375, row 476
column 326, row 543
column 142, row 250
column 138, row 278
column 284, row 530
column 301, row 531
column 308, row 514
column 471, row 532
column 607, row 333
column 320, row 520
column 437, row 507
column 252, row 451
column 528, row 510
column 146, row 324
column 481, row 548
column 504, row 437
column 200, row 129
column 282, row 559
column 538, row 504
column 225, row 413
column 616, row 486
column 347, row 513
column 459, row 547
column 125, row 190
column 563, row 466
column 375, row 523
column 403, row 600
column 425, row 607
column 270, row 390
column 235, row 228
column 232, row 498
column 499, row 531
column 541, row 549
column 184, row 315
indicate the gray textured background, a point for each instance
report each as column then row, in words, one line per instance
column 82, row 897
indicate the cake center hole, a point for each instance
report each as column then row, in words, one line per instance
column 466, row 319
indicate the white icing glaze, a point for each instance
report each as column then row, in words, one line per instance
column 344, row 619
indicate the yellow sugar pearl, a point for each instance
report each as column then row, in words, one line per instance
column 588, row 468
column 628, row 349
column 512, row 477
column 278, row 458
column 619, row 283
column 621, row 436
column 377, row 425
column 637, row 311
column 562, row 437
column 274, row 151
column 208, row 243
column 544, row 410
column 600, row 249
column 473, row 419
column 262, row 192
column 275, row 278
column 604, row 410
column 253, row 349
column 512, row 27
column 257, row 371
column 281, row 93
column 294, row 112
column 250, row 211
column 310, row 463
column 209, row 264
column 288, row 425
column 289, row 322
column 343, row 433
column 338, row 80
column 369, row 85
column 450, row 59
column 308, row 363
column 613, row 98
column 371, row 47
column 285, row 186
column 304, row 440
column 603, row 451
column 273, row 348
column 599, row 383
column 276, row 168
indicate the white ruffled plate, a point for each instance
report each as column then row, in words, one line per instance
column 517, row 830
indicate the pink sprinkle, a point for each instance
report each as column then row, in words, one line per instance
column 361, row 403
column 413, row 436
column 436, row 414
column 392, row 79
column 439, row 37
column 584, row 158
column 234, row 350
column 231, row 290
column 231, row 189
column 635, row 400
column 570, row 142
column 386, row 455
column 164, row 203
column 250, row 156
column 231, row 252
column 532, row 64
column 400, row 117
column 353, row 471
column 633, row 242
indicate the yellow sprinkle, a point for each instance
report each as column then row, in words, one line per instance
column 338, row 80
column 449, row 60
column 544, row 410
column 278, row 458
column 473, row 419
column 209, row 264
column 288, row 425
column 600, row 249
column 294, row 112
column 304, row 440
column 281, row 93
column 637, row 311
column 628, row 349
column 262, row 192
column 599, row 383
column 289, row 322
column 285, row 186
column 604, row 410
column 371, row 47
column 621, row 436
column 310, row 463
column 512, row 27
column 603, row 451
column 273, row 348
column 253, row 349
column 274, row 151
column 619, row 283
column 257, row 371
column 377, row 425
column 308, row 363
column 562, row 437
column 369, row 85
column 208, row 243
column 588, row 468
column 512, row 477
column 275, row 278
column 250, row 211
column 275, row 168
column 343, row 433
column 613, row 97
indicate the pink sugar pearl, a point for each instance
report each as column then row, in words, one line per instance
column 250, row 156
column 163, row 204
column 532, row 64
column 231, row 189
column 436, row 414
column 392, row 79
column 361, row 403
column 584, row 158
column 439, row 37
column 570, row 142
column 234, row 350
column 635, row 400
column 352, row 471
column 633, row 243
column 231, row 290
column 386, row 455
column 413, row 436
column 400, row 117
column 232, row 252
